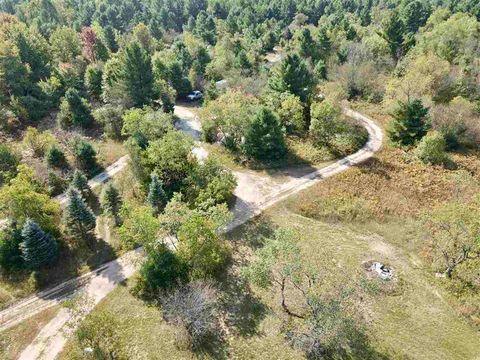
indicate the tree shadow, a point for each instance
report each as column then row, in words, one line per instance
column 242, row 310
column 100, row 252
column 253, row 232
column 213, row 347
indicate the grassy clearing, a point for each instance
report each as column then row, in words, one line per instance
column 14, row 340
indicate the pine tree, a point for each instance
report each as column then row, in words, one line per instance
column 55, row 157
column 137, row 74
column 38, row 248
column 74, row 110
column 409, row 124
column 264, row 139
column 292, row 76
column 79, row 218
column 80, row 183
column 111, row 201
column 156, row 195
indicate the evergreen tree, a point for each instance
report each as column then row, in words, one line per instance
column 38, row 248
column 110, row 40
column 8, row 164
column 79, row 218
column 292, row 76
column 264, row 139
column 137, row 74
column 393, row 32
column 409, row 124
column 10, row 253
column 111, row 201
column 74, row 110
column 85, row 156
column 55, row 157
column 93, row 80
column 80, row 182
column 305, row 43
column 156, row 195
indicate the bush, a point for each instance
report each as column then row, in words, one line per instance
column 38, row 142
column 140, row 226
column 200, row 247
column 458, row 122
column 193, row 308
column 8, row 164
column 431, row 149
column 324, row 123
column 162, row 270
column 110, row 117
column 170, row 158
column 56, row 184
column 152, row 125
column 55, row 157
column 10, row 254
column 210, row 184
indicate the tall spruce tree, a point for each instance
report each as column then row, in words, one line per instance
column 78, row 217
column 137, row 74
column 111, row 201
column 38, row 248
column 264, row 139
column 156, row 195
column 80, row 182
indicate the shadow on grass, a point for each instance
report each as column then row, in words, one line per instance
column 253, row 233
column 242, row 310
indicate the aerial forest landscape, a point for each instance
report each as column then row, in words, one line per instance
column 239, row 179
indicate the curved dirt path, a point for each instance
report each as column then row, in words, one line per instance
column 253, row 196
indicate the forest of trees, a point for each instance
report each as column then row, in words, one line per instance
column 76, row 71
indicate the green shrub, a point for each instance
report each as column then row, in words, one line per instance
column 110, row 117
column 8, row 164
column 431, row 149
column 56, row 184
column 162, row 270
column 55, row 157
column 10, row 254
column 324, row 122
column 38, row 142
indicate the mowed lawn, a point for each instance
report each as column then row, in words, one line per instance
column 408, row 319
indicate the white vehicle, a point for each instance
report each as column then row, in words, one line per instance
column 196, row 95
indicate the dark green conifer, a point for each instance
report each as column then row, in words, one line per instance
column 79, row 218
column 156, row 195
column 38, row 248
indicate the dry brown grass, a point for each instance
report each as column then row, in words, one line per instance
column 14, row 340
